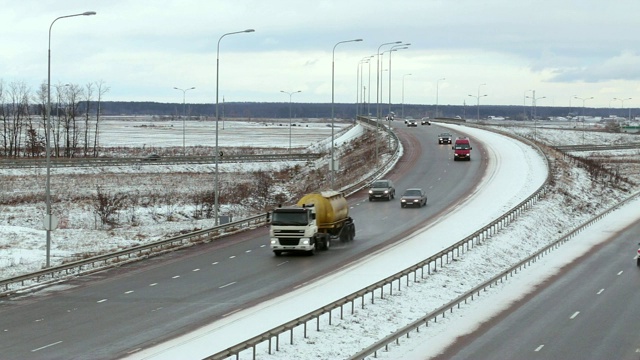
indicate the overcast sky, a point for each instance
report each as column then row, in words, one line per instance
column 143, row 49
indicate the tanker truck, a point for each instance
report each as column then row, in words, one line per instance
column 312, row 224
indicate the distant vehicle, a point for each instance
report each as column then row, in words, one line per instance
column 151, row 157
column 461, row 149
column 382, row 189
column 444, row 138
column 638, row 257
column 425, row 121
column 412, row 122
column 413, row 197
column 458, row 117
column 312, row 224
column 407, row 119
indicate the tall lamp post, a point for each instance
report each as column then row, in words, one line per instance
column 583, row 119
column 379, row 93
column 394, row 48
column 50, row 223
column 359, row 85
column 290, row 95
column 524, row 105
column 333, row 66
column 217, row 154
column 622, row 105
column 437, row 90
column 534, row 102
column 184, row 115
column 478, row 101
column 403, row 76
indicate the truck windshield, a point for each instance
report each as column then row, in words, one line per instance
column 289, row 218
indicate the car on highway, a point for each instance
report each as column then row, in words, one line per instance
column 412, row 123
column 425, row 121
column 151, row 157
column 407, row 119
column 413, row 197
column 382, row 189
column 444, row 138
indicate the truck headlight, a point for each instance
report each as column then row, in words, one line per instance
column 305, row 241
column 274, row 241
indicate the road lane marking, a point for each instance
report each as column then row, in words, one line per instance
column 539, row 348
column 229, row 284
column 232, row 256
column 600, row 292
column 154, row 284
column 46, row 346
column 128, row 292
column 214, row 263
column 196, row 270
column 101, row 301
column 175, row 277
column 282, row 263
column 574, row 315
column 248, row 251
column 620, row 273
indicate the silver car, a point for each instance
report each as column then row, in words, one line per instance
column 413, row 197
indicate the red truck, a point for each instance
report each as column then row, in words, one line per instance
column 461, row 149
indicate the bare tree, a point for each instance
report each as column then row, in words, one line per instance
column 89, row 95
column 18, row 98
column 102, row 89
column 4, row 116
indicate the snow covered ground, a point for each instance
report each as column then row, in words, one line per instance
column 22, row 245
column 501, row 190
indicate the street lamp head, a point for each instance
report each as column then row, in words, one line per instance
column 87, row 13
column 249, row 30
column 357, row 40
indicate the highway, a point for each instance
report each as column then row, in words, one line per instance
column 591, row 310
column 120, row 311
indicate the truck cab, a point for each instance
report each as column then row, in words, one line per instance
column 461, row 149
column 292, row 229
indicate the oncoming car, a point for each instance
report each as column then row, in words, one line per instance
column 412, row 122
column 413, row 197
column 425, row 121
column 444, row 138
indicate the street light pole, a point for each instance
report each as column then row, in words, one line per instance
column 583, row 118
column 524, row 105
column 379, row 92
column 333, row 66
column 478, row 99
column 290, row 95
column 393, row 48
column 437, row 91
column 622, row 105
column 534, row 102
column 403, row 76
column 49, row 222
column 217, row 154
column 184, row 113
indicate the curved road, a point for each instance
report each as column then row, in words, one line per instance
column 120, row 311
column 589, row 311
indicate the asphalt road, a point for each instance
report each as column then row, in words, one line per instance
column 589, row 311
column 116, row 312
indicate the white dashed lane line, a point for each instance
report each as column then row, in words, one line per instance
column 575, row 314
column 128, row 292
column 600, row 292
column 224, row 286
column 175, row 277
column 539, row 348
column 46, row 346
column 154, row 284
column 101, row 301
column 194, row 270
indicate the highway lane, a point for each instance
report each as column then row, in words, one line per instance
column 115, row 312
column 589, row 311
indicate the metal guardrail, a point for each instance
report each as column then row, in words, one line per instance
column 445, row 256
column 164, row 160
column 570, row 148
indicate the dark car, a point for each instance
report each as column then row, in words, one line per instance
column 425, row 121
column 151, row 157
column 412, row 122
column 382, row 189
column 413, row 197
column 444, row 138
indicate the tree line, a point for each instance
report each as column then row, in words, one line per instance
column 74, row 119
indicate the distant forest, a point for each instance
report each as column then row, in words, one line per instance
column 323, row 110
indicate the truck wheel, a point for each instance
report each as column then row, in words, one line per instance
column 327, row 243
column 277, row 252
column 639, row 261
